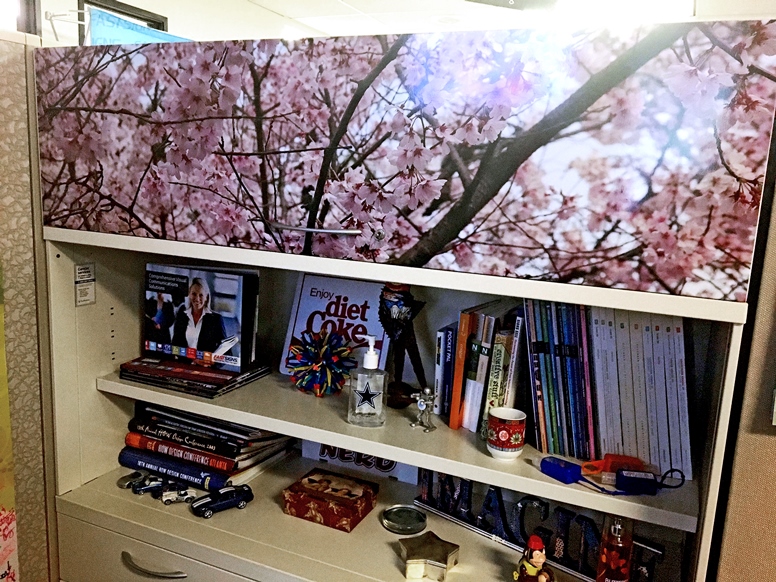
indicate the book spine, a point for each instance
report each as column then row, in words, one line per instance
column 459, row 373
column 681, row 383
column 672, row 393
column 470, row 390
column 639, row 386
column 438, row 372
column 587, row 379
column 562, row 342
column 174, row 469
column 575, row 385
column 597, row 330
column 496, row 377
column 658, row 355
column 182, row 437
column 612, row 387
column 217, row 462
column 577, row 373
column 535, row 377
column 561, row 396
column 651, row 385
column 451, row 332
column 513, row 367
column 483, row 371
column 219, row 428
column 625, row 383
column 551, row 409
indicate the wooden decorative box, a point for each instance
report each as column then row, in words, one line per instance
column 332, row 499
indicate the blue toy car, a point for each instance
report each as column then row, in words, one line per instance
column 151, row 484
column 224, row 498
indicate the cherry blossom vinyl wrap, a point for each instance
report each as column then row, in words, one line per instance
column 631, row 158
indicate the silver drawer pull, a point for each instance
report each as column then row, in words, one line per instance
column 126, row 557
column 345, row 231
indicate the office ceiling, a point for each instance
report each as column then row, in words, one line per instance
column 348, row 17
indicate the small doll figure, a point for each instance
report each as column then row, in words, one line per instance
column 531, row 567
column 425, row 400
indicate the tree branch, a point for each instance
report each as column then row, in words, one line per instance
column 339, row 133
column 492, row 175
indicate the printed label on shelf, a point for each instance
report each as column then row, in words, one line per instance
column 85, row 286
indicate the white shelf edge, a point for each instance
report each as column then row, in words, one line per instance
column 698, row 308
column 441, row 450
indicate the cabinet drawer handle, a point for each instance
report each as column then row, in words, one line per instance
column 345, row 231
column 126, row 557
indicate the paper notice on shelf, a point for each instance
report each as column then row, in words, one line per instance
column 85, row 285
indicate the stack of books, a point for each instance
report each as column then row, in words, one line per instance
column 592, row 380
column 476, row 363
column 204, row 452
column 183, row 376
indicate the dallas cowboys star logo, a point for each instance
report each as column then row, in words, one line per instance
column 366, row 396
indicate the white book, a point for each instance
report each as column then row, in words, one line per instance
column 682, row 404
column 597, row 325
column 672, row 393
column 612, row 388
column 639, row 385
column 438, row 372
column 661, row 398
column 651, row 385
column 625, row 383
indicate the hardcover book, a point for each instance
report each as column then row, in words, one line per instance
column 201, row 315
column 197, row 475
column 225, row 464
column 330, row 304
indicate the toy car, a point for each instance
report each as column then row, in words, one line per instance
column 176, row 495
column 150, row 484
column 130, row 479
column 224, row 498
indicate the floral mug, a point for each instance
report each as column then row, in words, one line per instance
column 506, row 433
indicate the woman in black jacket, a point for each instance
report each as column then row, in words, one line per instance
column 197, row 326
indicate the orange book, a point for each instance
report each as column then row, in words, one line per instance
column 467, row 326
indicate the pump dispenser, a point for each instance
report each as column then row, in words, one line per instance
column 367, row 401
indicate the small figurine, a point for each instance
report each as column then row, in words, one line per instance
column 425, row 400
column 531, row 567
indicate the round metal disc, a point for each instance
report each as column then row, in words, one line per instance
column 403, row 519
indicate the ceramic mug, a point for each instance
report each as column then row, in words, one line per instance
column 506, row 433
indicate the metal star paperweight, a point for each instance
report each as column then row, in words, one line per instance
column 428, row 555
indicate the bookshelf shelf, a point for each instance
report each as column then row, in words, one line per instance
column 273, row 404
column 708, row 309
column 262, row 543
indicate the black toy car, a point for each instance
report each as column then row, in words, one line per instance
column 128, row 480
column 151, row 484
column 224, row 498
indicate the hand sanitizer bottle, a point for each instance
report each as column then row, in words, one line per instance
column 367, row 403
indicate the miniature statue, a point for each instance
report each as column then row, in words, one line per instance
column 531, row 567
column 425, row 400
column 396, row 311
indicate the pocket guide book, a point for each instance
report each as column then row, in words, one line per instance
column 201, row 315
column 330, row 304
